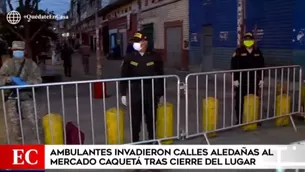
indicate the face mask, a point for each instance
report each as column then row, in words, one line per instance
column 137, row 46
column 18, row 54
column 248, row 43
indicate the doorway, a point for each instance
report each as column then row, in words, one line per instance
column 207, row 48
column 123, row 41
column 173, row 46
column 91, row 43
column 148, row 31
column 105, row 37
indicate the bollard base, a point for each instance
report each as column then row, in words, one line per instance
column 99, row 90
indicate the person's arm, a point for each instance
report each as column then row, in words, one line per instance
column 235, row 64
column 159, row 70
column 5, row 78
column 125, row 72
column 35, row 75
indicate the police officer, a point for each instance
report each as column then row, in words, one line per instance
column 142, row 62
column 246, row 57
column 29, row 74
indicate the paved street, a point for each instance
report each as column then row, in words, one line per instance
column 76, row 107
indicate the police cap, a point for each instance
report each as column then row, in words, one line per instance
column 249, row 35
column 138, row 37
column 18, row 45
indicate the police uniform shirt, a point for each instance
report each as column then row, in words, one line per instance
column 242, row 59
column 137, row 65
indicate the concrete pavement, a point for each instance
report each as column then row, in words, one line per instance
column 75, row 103
column 77, row 107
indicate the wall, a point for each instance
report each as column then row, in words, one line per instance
column 222, row 14
column 133, row 25
column 299, row 27
column 119, row 16
column 225, row 22
column 166, row 12
column 274, row 18
column 116, row 23
column 200, row 13
column 122, row 23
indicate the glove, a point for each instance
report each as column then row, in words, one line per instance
column 261, row 83
column 18, row 81
column 161, row 100
column 235, row 83
column 124, row 100
column 8, row 80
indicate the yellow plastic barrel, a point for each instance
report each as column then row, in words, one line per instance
column 53, row 129
column 251, row 112
column 283, row 107
column 209, row 115
column 281, row 88
column 115, row 126
column 165, row 122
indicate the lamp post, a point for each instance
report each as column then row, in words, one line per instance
column 98, row 54
column 99, row 87
column 240, row 20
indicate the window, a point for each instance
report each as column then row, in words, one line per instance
column 152, row 1
column 146, row 2
column 113, row 41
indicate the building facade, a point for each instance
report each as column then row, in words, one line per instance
column 298, row 33
column 276, row 24
column 166, row 24
column 82, row 20
column 272, row 21
column 213, row 33
column 119, row 25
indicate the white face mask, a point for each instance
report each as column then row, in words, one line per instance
column 137, row 46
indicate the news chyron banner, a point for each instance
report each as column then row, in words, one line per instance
column 43, row 157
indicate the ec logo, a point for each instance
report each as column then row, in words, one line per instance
column 21, row 157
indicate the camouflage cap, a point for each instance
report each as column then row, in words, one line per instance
column 18, row 45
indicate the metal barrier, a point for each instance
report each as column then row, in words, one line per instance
column 107, row 121
column 277, row 81
column 74, row 102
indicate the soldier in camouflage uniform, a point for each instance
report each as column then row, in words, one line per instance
column 30, row 74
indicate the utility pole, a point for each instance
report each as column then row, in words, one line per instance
column 139, row 26
column 98, row 54
column 240, row 21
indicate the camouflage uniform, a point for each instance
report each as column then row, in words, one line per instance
column 31, row 75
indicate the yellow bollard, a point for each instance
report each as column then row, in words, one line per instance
column 209, row 115
column 251, row 112
column 53, row 129
column 283, row 107
column 281, row 88
column 165, row 122
column 115, row 126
